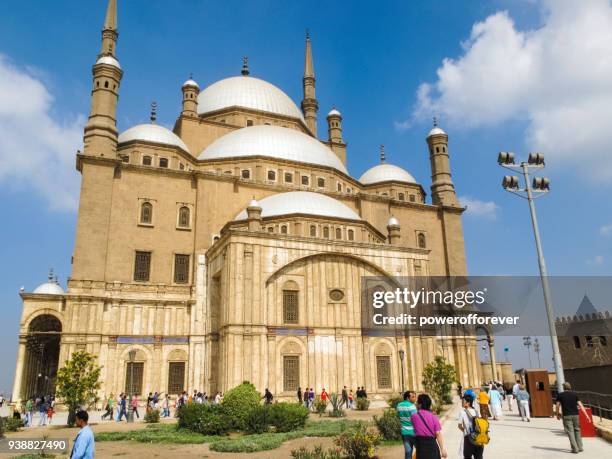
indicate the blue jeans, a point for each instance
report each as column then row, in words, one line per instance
column 408, row 445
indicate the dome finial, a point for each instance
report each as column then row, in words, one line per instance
column 191, row 75
column 153, row 112
column 435, row 121
column 307, row 33
column 50, row 276
column 245, row 66
column 382, row 153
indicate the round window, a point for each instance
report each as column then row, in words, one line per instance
column 336, row 294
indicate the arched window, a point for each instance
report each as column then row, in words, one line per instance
column 321, row 182
column 422, row 242
column 577, row 344
column 603, row 340
column 383, row 371
column 146, row 160
column 106, row 84
column 313, row 231
column 339, row 186
column 412, row 198
column 326, row 232
column 338, row 233
column 400, row 196
column 246, row 174
column 163, row 162
column 272, row 175
column 351, row 235
column 290, row 303
column 589, row 341
column 184, row 217
column 284, row 229
column 437, row 149
column 146, row 213
column 288, row 177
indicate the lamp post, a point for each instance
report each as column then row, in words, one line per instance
column 536, row 348
column 131, row 356
column 539, row 185
column 506, row 349
column 527, row 344
column 401, row 356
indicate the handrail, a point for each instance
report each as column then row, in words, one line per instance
column 597, row 402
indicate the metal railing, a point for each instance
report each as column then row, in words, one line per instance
column 600, row 404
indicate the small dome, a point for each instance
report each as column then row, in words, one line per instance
column 303, row 202
column 247, row 92
column 108, row 60
column 191, row 82
column 436, row 131
column 273, row 142
column 393, row 222
column 152, row 133
column 253, row 203
column 384, row 173
column 51, row 287
column 334, row 112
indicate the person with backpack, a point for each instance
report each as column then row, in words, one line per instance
column 474, row 428
column 429, row 441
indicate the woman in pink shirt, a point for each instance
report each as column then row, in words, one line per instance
column 429, row 442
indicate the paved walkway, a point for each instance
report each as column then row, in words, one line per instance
column 541, row 438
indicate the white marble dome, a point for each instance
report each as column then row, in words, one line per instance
column 384, row 173
column 247, row 92
column 436, row 131
column 273, row 142
column 302, row 202
column 152, row 133
column 191, row 82
column 49, row 288
column 108, row 60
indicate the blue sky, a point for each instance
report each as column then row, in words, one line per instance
column 501, row 75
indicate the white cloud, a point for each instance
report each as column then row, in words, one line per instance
column 37, row 152
column 598, row 260
column 478, row 208
column 556, row 78
column 606, row 230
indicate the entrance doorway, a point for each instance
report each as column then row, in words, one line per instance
column 41, row 357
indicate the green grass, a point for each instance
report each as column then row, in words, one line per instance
column 168, row 433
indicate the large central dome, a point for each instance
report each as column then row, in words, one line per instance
column 247, row 92
column 273, row 142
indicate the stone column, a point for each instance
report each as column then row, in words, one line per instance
column 490, row 341
column 21, row 355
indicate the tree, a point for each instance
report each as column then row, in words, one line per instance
column 438, row 379
column 77, row 382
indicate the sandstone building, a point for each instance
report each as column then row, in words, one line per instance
column 232, row 248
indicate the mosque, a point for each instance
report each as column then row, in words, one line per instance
column 233, row 247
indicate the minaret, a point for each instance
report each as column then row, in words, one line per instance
column 310, row 106
column 100, row 136
column 442, row 188
column 334, row 126
column 190, row 89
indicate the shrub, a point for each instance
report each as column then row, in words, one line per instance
column 203, row 418
column 362, row 404
column 11, row 424
column 336, row 401
column 320, row 405
column 248, row 443
column 239, row 402
column 359, row 443
column 389, row 425
column 258, row 420
column 286, row 417
column 438, row 379
column 316, row 453
column 151, row 416
column 393, row 401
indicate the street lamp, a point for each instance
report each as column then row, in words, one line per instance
column 401, row 356
column 536, row 348
column 506, row 349
column 539, row 185
column 527, row 344
column 131, row 356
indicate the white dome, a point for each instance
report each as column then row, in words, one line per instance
column 334, row 112
column 247, row 92
column 436, row 131
column 152, row 133
column 384, row 173
column 253, row 203
column 49, row 288
column 273, row 142
column 109, row 60
column 191, row 82
column 393, row 222
column 303, row 202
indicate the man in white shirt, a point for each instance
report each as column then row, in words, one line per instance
column 515, row 390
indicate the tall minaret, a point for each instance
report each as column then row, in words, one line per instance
column 100, row 136
column 310, row 106
column 442, row 188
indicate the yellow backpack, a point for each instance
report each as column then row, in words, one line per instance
column 480, row 434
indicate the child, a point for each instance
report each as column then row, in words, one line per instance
column 50, row 413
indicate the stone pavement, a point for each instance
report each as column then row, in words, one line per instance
column 511, row 438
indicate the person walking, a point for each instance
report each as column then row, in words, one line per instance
column 345, row 400
column 109, row 407
column 483, row 402
column 122, row 408
column 299, row 395
column 134, row 405
column 522, row 399
column 466, row 426
column 84, row 446
column 268, row 397
column 166, row 406
column 351, row 399
column 515, row 388
column 405, row 410
column 324, row 395
column 495, row 400
column 311, row 397
column 568, row 405
column 43, row 407
column 29, row 412
column 429, row 441
column 509, row 398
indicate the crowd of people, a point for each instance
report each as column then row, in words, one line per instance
column 307, row 397
column 44, row 405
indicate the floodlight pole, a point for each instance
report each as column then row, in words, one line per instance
column 544, row 276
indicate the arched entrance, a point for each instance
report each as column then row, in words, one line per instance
column 42, row 356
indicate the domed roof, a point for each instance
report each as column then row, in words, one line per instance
column 191, row 82
column 109, row 60
column 334, row 112
column 435, row 131
column 152, row 133
column 384, row 173
column 273, row 142
column 303, row 202
column 248, row 92
column 51, row 287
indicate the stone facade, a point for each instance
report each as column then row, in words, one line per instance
column 217, row 317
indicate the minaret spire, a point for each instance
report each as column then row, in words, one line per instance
column 382, row 154
column 153, row 112
column 310, row 106
column 245, row 66
column 109, row 30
